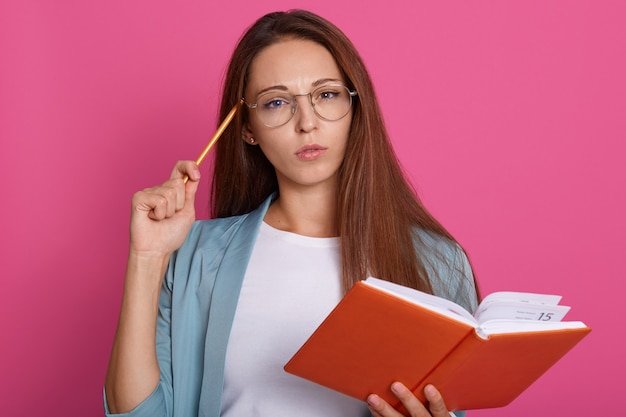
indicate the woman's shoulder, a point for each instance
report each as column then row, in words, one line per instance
column 448, row 267
column 224, row 225
column 220, row 232
column 221, row 229
column 435, row 246
column 220, row 223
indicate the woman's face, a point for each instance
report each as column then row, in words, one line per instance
column 306, row 151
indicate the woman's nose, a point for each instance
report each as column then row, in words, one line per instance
column 306, row 119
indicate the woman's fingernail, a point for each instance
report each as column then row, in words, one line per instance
column 397, row 388
column 430, row 390
column 373, row 400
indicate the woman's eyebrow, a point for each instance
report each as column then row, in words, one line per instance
column 315, row 84
column 272, row 88
column 323, row 81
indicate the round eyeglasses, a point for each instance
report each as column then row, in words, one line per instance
column 275, row 108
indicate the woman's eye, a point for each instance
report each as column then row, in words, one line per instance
column 327, row 95
column 275, row 104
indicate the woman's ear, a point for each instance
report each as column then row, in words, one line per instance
column 247, row 136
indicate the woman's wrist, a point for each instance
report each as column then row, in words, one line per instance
column 146, row 269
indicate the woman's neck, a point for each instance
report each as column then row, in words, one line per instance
column 308, row 214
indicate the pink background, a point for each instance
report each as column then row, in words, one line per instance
column 509, row 117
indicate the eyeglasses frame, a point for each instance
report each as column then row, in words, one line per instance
column 294, row 106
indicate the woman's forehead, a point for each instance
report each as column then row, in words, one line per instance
column 292, row 64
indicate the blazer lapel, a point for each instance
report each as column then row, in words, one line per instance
column 223, row 304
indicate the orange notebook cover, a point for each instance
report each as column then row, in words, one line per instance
column 373, row 338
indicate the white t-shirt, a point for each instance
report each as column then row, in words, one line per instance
column 291, row 285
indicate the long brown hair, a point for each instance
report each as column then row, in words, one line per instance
column 378, row 211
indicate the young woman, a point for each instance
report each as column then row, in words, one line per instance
column 308, row 198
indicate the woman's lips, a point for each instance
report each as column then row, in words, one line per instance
column 310, row 152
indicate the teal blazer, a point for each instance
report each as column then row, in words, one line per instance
column 196, row 310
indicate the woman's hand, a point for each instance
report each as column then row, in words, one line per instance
column 436, row 406
column 163, row 215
